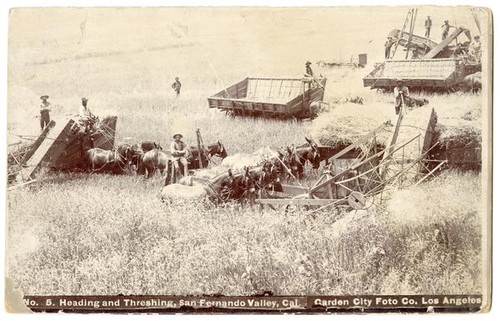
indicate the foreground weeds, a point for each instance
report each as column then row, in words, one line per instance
column 112, row 235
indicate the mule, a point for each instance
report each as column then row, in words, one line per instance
column 100, row 159
column 124, row 155
column 150, row 145
column 215, row 149
column 136, row 153
column 153, row 160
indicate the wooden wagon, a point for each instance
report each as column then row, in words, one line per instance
column 436, row 67
column 285, row 98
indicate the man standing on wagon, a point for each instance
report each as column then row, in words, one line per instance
column 309, row 71
column 445, row 29
column 179, row 151
column 44, row 111
column 387, row 46
column 428, row 26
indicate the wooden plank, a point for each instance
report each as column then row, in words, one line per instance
column 294, row 190
column 38, row 141
column 436, row 50
column 359, row 141
column 430, row 131
column 49, row 150
column 393, row 139
column 297, row 202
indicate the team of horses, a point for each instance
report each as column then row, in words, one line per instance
column 148, row 157
column 145, row 158
column 258, row 181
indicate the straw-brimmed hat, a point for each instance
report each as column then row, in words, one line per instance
column 44, row 97
column 175, row 136
column 85, row 99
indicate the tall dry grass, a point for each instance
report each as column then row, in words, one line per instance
column 112, row 235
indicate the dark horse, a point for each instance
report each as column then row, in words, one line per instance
column 297, row 157
column 195, row 159
column 245, row 186
column 215, row 149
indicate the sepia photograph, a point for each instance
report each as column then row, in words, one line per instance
column 249, row 159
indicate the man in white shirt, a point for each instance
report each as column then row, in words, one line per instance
column 400, row 92
column 179, row 151
column 44, row 111
column 476, row 49
column 85, row 114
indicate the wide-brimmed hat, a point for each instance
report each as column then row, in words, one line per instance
column 44, row 97
column 477, row 37
column 176, row 78
column 308, row 62
column 85, row 99
column 399, row 80
column 177, row 135
column 446, row 21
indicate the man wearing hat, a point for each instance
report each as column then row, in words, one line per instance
column 445, row 28
column 476, row 48
column 309, row 71
column 44, row 111
column 400, row 92
column 428, row 25
column 85, row 113
column 179, row 151
column 388, row 46
column 176, row 86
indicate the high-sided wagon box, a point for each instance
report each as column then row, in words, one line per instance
column 285, row 98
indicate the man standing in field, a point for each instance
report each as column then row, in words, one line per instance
column 428, row 26
column 179, row 151
column 400, row 92
column 176, row 86
column 44, row 111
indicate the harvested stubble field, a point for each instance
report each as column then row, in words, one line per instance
column 99, row 234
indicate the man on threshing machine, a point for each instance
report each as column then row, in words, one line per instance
column 476, row 49
column 428, row 26
column 87, row 118
column 401, row 94
column 44, row 111
column 309, row 71
column 388, row 46
column 180, row 153
column 445, row 29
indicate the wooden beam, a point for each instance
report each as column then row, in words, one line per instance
column 436, row 50
column 293, row 201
